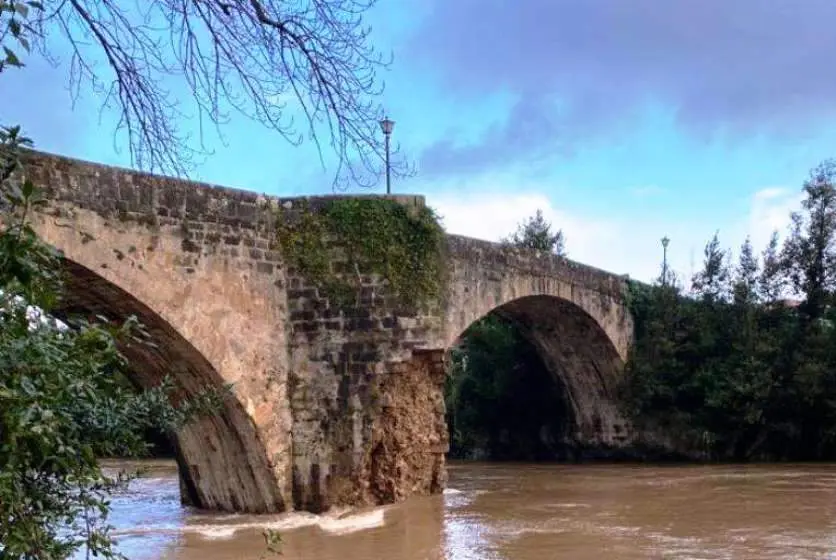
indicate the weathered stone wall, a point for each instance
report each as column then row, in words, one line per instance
column 195, row 264
column 409, row 439
column 333, row 404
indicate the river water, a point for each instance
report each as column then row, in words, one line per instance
column 518, row 512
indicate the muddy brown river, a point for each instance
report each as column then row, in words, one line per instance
column 518, row 512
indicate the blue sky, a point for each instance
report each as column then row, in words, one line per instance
column 622, row 121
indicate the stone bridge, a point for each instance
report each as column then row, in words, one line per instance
column 328, row 406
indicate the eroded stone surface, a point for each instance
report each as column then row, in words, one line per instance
column 330, row 406
column 409, row 437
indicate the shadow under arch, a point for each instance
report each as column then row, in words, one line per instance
column 582, row 360
column 223, row 465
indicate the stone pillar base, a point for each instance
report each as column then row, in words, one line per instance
column 409, row 438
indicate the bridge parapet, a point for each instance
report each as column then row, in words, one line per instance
column 505, row 257
column 130, row 195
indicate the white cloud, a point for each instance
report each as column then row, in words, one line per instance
column 492, row 216
column 623, row 243
column 770, row 211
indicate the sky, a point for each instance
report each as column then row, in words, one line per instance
column 622, row 121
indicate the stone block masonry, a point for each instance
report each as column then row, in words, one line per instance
column 196, row 265
column 331, row 404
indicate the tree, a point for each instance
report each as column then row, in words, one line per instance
column 771, row 280
column 536, row 233
column 263, row 59
column 61, row 405
column 809, row 254
column 733, row 375
column 745, row 282
column 502, row 403
column 711, row 283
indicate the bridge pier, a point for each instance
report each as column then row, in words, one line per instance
column 367, row 403
column 398, row 440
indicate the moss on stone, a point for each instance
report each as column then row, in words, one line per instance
column 343, row 241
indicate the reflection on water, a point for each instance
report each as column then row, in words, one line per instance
column 518, row 512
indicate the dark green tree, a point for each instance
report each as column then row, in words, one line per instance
column 809, row 253
column 502, row 402
column 771, row 280
column 733, row 369
column 746, row 274
column 806, row 408
column 711, row 284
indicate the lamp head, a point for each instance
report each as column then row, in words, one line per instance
column 386, row 125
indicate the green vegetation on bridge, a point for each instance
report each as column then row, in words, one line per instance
column 401, row 244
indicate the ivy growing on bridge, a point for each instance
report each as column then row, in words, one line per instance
column 337, row 243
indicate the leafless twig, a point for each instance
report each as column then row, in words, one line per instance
column 261, row 58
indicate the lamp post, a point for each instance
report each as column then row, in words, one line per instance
column 386, row 125
column 665, row 242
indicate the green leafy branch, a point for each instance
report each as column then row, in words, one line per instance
column 14, row 23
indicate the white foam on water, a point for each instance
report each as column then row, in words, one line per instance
column 156, row 530
column 339, row 522
column 460, row 498
column 224, row 531
column 353, row 523
column 215, row 533
column 516, row 532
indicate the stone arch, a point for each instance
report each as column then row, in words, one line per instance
column 483, row 276
column 222, row 461
column 581, row 356
column 220, row 322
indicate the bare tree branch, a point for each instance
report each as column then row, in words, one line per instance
column 260, row 58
